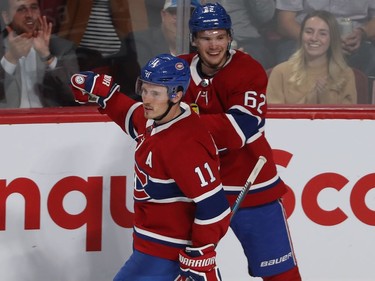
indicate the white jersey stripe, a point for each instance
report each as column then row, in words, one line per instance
column 162, row 237
column 213, row 220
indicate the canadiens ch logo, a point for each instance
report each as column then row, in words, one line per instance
column 179, row 66
column 140, row 182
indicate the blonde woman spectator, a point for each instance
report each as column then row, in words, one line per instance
column 317, row 72
column 358, row 34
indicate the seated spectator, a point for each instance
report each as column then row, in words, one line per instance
column 359, row 52
column 35, row 65
column 317, row 72
column 97, row 28
column 138, row 47
column 248, row 18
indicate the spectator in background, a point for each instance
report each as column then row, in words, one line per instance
column 98, row 26
column 138, row 47
column 35, row 66
column 317, row 72
column 360, row 52
column 153, row 8
column 248, row 18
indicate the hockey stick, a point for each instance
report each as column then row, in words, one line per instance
column 249, row 182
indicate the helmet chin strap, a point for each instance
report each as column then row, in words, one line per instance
column 170, row 104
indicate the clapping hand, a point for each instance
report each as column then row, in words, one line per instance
column 18, row 45
column 42, row 36
column 320, row 89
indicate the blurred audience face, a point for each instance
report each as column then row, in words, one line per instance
column 316, row 37
column 22, row 15
column 169, row 23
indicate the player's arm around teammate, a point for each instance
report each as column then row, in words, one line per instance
column 228, row 88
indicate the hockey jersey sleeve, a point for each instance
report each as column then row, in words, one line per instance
column 125, row 112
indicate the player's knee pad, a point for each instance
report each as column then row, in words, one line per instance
column 290, row 275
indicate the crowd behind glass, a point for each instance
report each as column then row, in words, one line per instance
column 116, row 37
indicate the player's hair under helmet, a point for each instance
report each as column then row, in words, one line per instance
column 209, row 16
column 168, row 71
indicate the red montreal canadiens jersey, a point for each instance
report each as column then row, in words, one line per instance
column 232, row 105
column 178, row 196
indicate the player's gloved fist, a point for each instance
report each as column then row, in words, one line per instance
column 88, row 86
column 199, row 264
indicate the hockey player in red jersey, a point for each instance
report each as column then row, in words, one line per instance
column 228, row 89
column 180, row 208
